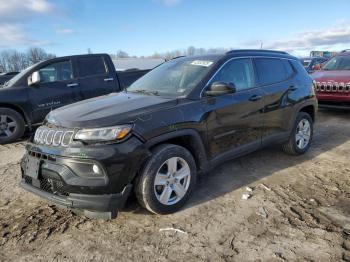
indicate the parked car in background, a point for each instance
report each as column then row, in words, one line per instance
column 184, row 117
column 28, row 97
column 311, row 64
column 333, row 82
column 4, row 77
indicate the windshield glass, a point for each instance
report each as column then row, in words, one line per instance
column 19, row 76
column 177, row 77
column 338, row 63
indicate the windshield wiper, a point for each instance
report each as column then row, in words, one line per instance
column 144, row 91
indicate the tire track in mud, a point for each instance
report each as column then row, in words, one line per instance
column 37, row 225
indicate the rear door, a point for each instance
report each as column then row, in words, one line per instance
column 96, row 78
column 276, row 78
column 234, row 121
column 56, row 88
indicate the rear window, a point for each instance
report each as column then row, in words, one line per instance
column 91, row 66
column 273, row 70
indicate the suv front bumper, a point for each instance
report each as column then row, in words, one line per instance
column 93, row 206
column 63, row 175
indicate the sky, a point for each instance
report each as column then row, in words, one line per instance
column 143, row 27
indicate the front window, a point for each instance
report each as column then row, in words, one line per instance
column 59, row 71
column 338, row 63
column 239, row 72
column 177, row 77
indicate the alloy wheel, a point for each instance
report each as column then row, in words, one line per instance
column 303, row 134
column 8, row 126
column 172, row 181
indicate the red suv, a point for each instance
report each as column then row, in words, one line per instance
column 333, row 82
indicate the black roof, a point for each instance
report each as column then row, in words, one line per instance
column 256, row 51
column 260, row 52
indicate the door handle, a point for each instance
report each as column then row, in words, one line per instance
column 255, row 98
column 108, row 79
column 72, row 85
column 292, row 88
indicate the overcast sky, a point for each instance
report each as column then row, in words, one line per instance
column 142, row 27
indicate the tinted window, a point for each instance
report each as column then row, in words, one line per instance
column 273, row 70
column 239, row 72
column 91, row 66
column 60, row 71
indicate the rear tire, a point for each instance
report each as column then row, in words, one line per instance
column 12, row 126
column 301, row 137
column 166, row 180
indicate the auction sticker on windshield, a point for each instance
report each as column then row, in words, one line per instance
column 202, row 63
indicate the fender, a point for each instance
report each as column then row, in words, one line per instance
column 19, row 110
column 197, row 147
column 302, row 105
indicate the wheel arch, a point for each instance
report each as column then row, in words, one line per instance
column 187, row 138
column 19, row 110
column 309, row 109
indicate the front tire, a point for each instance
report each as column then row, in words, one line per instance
column 12, row 126
column 301, row 137
column 167, row 179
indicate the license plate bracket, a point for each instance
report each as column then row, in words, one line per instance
column 32, row 167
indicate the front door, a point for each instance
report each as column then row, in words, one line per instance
column 56, row 88
column 234, row 121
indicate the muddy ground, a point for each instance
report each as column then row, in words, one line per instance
column 302, row 214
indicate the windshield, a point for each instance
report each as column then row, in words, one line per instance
column 19, row 76
column 338, row 63
column 177, row 77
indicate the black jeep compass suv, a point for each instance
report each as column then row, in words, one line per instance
column 183, row 118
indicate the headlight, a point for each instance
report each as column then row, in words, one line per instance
column 103, row 134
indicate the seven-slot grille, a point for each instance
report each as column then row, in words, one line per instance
column 53, row 137
column 332, row 86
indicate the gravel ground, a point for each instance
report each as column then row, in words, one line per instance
column 299, row 210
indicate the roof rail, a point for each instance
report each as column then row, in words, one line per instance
column 256, row 50
column 173, row 58
column 345, row 50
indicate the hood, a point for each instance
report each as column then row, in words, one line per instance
column 330, row 76
column 110, row 110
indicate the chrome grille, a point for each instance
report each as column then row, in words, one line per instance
column 333, row 87
column 53, row 137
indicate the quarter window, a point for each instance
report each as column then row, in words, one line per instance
column 240, row 72
column 273, row 70
column 91, row 66
column 60, row 71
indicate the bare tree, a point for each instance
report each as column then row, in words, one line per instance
column 36, row 54
column 12, row 60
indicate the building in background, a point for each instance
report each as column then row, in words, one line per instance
column 327, row 54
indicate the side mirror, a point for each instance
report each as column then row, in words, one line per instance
column 34, row 78
column 220, row 88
